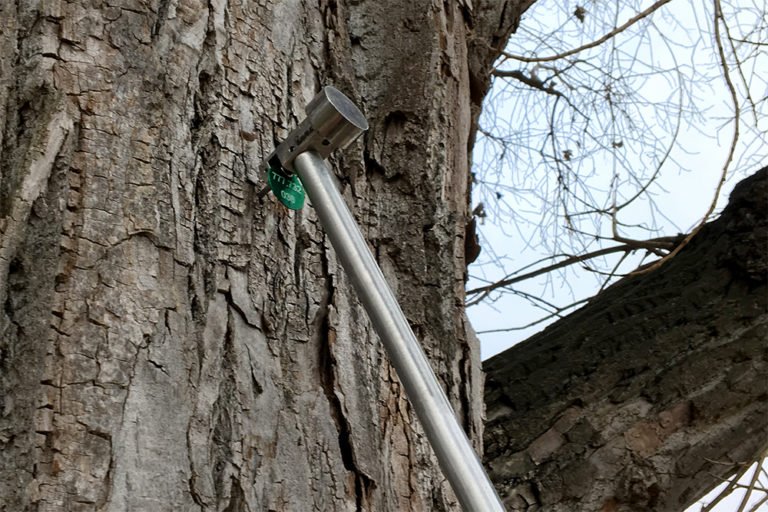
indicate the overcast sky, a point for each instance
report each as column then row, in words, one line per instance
column 682, row 195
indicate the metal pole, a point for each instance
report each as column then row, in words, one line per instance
column 457, row 459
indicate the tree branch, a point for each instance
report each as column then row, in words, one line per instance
column 718, row 18
column 598, row 411
column 597, row 42
column 628, row 245
column 530, row 81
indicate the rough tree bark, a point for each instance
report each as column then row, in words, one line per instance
column 166, row 341
column 652, row 393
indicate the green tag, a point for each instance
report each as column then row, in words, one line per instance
column 287, row 189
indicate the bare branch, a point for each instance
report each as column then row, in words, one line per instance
column 629, row 245
column 557, row 313
column 530, row 81
column 710, row 507
column 751, row 486
column 597, row 42
column 718, row 19
column 756, row 506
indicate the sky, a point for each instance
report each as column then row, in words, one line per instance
column 511, row 232
column 682, row 194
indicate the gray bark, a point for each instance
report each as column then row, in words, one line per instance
column 654, row 392
column 167, row 342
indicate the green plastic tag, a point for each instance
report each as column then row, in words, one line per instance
column 287, row 189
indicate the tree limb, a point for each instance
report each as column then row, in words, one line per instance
column 626, row 403
column 639, row 16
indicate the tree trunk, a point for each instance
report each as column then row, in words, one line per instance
column 651, row 394
column 168, row 342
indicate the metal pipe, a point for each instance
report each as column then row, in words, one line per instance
column 458, row 460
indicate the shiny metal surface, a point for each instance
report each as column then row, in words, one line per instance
column 332, row 122
column 457, row 459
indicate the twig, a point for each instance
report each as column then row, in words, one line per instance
column 530, row 81
column 751, row 486
column 597, row 42
column 734, row 140
column 760, row 503
column 728, row 489
column 666, row 243
column 536, row 322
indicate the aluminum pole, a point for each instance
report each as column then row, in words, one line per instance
column 458, row 460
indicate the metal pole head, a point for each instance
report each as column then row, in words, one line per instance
column 332, row 122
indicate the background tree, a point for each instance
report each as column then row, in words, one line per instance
column 590, row 112
column 596, row 108
column 651, row 394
